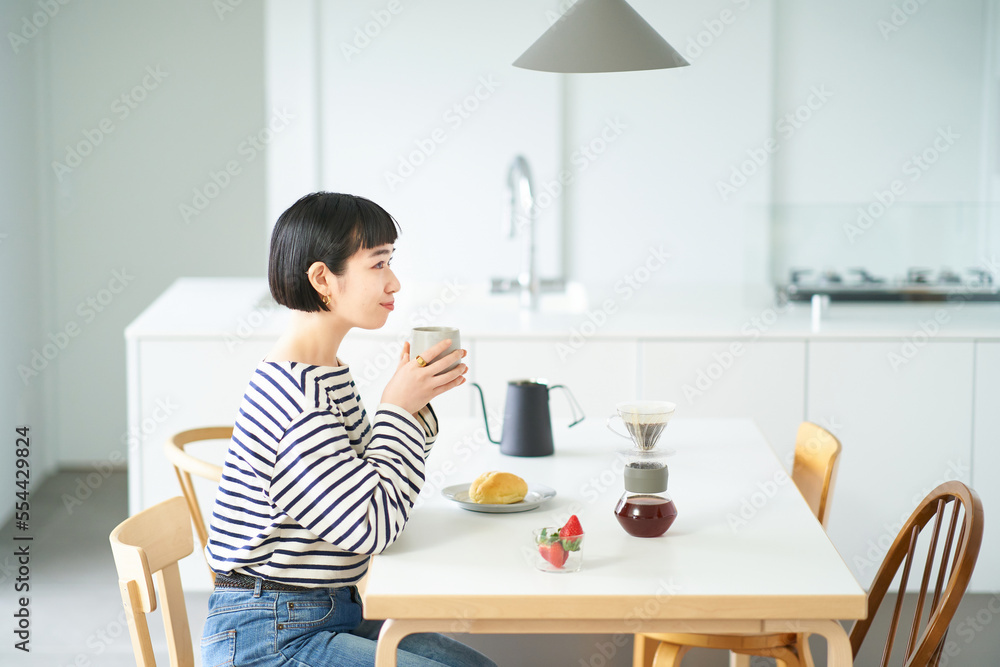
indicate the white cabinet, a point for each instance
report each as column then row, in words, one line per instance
column 986, row 459
column 905, row 427
column 761, row 380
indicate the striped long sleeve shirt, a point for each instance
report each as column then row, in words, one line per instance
column 310, row 487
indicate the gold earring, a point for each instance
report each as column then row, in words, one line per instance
column 326, row 299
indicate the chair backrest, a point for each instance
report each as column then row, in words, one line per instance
column 186, row 465
column 145, row 545
column 814, row 471
column 954, row 558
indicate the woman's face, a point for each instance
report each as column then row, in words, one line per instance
column 363, row 295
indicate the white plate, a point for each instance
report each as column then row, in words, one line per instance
column 537, row 494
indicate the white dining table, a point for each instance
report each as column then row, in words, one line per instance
column 745, row 554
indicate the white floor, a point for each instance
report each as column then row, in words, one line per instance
column 76, row 612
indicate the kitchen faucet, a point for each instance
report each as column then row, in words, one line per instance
column 522, row 221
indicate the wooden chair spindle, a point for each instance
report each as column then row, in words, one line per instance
column 893, row 627
column 925, row 579
column 949, row 539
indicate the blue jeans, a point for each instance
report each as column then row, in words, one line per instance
column 318, row 628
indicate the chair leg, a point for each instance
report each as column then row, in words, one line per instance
column 643, row 648
column 739, row 660
column 802, row 648
column 669, row 655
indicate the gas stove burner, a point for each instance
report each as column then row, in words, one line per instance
column 983, row 277
column 919, row 284
column 832, row 276
column 866, row 277
column 949, row 277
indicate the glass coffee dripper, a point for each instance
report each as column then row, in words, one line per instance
column 645, row 509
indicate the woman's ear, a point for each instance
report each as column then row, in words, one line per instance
column 321, row 278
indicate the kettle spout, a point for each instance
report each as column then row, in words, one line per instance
column 486, row 421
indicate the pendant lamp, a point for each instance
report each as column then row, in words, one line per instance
column 600, row 36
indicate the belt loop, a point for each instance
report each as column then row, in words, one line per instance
column 258, row 586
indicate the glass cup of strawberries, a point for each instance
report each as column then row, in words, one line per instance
column 559, row 549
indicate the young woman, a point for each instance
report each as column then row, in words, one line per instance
column 312, row 484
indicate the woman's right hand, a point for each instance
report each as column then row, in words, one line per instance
column 413, row 386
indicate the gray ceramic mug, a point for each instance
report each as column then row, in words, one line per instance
column 424, row 338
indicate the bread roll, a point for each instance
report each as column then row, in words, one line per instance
column 498, row 488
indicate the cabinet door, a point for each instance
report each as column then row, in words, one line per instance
column 986, row 454
column 905, row 423
column 761, row 380
column 599, row 373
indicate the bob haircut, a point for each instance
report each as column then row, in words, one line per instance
column 323, row 227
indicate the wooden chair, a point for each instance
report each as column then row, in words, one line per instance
column 186, row 465
column 147, row 544
column 814, row 469
column 927, row 638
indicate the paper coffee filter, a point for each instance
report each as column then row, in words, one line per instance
column 646, row 412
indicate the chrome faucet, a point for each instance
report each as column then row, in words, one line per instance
column 521, row 220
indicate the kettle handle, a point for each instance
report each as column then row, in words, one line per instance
column 486, row 421
column 573, row 404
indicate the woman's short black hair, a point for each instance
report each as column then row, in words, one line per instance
column 323, row 227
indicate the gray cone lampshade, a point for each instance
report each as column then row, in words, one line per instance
column 600, row 36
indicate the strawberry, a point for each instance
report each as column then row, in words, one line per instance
column 551, row 549
column 554, row 553
column 571, row 534
column 572, row 528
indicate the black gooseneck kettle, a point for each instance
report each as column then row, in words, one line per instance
column 527, row 425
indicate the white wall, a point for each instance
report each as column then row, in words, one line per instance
column 902, row 135
column 644, row 151
column 892, row 90
column 22, row 252
column 658, row 184
column 990, row 234
column 808, row 105
column 426, row 116
column 291, row 68
column 196, row 82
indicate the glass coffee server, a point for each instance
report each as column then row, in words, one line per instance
column 645, row 509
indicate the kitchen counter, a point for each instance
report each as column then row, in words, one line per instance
column 242, row 308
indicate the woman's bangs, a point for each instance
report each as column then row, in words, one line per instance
column 375, row 226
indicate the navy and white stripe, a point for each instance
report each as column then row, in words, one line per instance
column 310, row 488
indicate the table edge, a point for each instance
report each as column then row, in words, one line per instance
column 610, row 607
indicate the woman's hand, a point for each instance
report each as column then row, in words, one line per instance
column 412, row 386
